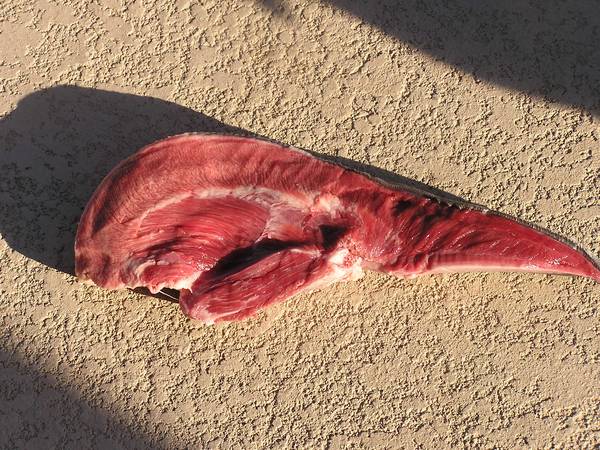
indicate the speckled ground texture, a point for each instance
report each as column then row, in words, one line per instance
column 494, row 104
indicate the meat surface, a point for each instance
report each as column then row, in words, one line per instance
column 237, row 223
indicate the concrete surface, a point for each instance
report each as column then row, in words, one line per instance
column 463, row 361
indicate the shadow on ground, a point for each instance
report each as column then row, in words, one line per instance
column 58, row 144
column 549, row 48
column 43, row 413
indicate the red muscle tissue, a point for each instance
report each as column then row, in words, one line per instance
column 237, row 223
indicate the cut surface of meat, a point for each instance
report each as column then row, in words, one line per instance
column 237, row 223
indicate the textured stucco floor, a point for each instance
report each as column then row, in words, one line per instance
column 506, row 119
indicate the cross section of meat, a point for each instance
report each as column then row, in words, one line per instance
column 237, row 223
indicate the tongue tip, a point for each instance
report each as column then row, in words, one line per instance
column 595, row 276
column 589, row 269
column 594, row 262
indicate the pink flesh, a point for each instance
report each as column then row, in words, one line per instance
column 238, row 223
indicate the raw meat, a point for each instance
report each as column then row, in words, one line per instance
column 237, row 223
